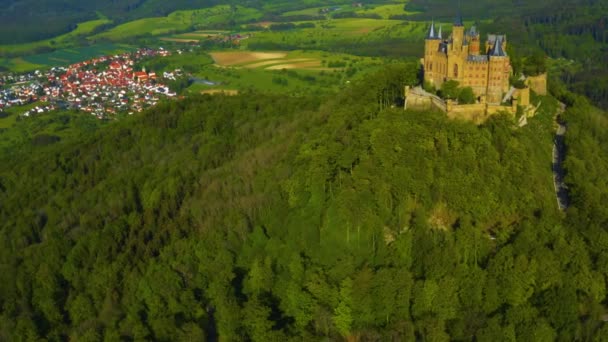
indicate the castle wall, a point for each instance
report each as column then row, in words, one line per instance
column 476, row 77
column 478, row 113
column 417, row 102
column 495, row 109
column 498, row 78
column 523, row 96
column 418, row 99
column 538, row 83
column 471, row 112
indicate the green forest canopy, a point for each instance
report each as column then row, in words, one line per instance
column 266, row 217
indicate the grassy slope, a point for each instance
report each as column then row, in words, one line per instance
column 177, row 21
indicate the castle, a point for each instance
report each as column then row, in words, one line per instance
column 460, row 58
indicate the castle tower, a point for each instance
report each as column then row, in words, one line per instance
column 458, row 33
column 499, row 71
column 457, row 52
column 431, row 46
column 474, row 43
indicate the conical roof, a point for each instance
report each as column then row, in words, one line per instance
column 458, row 19
column 498, row 50
column 431, row 34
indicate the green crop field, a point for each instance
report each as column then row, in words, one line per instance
column 69, row 56
column 352, row 35
column 18, row 64
column 385, row 11
column 273, row 71
column 179, row 21
column 326, row 32
column 306, row 11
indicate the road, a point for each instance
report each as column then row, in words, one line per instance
column 559, row 153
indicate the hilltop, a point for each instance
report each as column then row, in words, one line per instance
column 267, row 217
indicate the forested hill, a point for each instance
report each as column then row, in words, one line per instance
column 46, row 19
column 31, row 20
column 260, row 217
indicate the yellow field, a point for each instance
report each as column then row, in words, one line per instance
column 241, row 57
column 275, row 60
column 179, row 40
column 220, row 91
column 301, row 65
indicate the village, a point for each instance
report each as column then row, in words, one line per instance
column 103, row 86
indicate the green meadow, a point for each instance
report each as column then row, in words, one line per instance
column 359, row 36
column 74, row 55
column 385, row 11
column 179, row 21
column 18, row 64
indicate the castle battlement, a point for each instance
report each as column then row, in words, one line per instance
column 459, row 57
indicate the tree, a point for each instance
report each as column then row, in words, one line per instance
column 449, row 90
column 343, row 318
column 535, row 64
column 466, row 96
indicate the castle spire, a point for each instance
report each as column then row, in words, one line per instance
column 439, row 34
column 431, row 34
column 498, row 51
column 458, row 19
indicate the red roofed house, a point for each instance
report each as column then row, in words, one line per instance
column 140, row 76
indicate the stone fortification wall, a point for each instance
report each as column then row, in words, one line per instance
column 523, row 96
column 469, row 112
column 495, row 109
column 478, row 113
column 538, row 84
column 418, row 99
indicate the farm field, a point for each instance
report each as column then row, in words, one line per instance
column 385, row 11
column 179, row 21
column 327, row 32
column 359, row 36
column 279, row 60
column 194, row 37
column 18, row 64
column 295, row 72
column 69, row 56
column 317, row 10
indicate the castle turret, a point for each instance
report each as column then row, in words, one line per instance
column 431, row 46
column 474, row 43
column 458, row 34
column 499, row 71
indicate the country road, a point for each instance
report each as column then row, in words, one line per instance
column 559, row 154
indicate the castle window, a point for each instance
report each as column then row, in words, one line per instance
column 455, row 70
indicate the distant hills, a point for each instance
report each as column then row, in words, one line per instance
column 31, row 20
